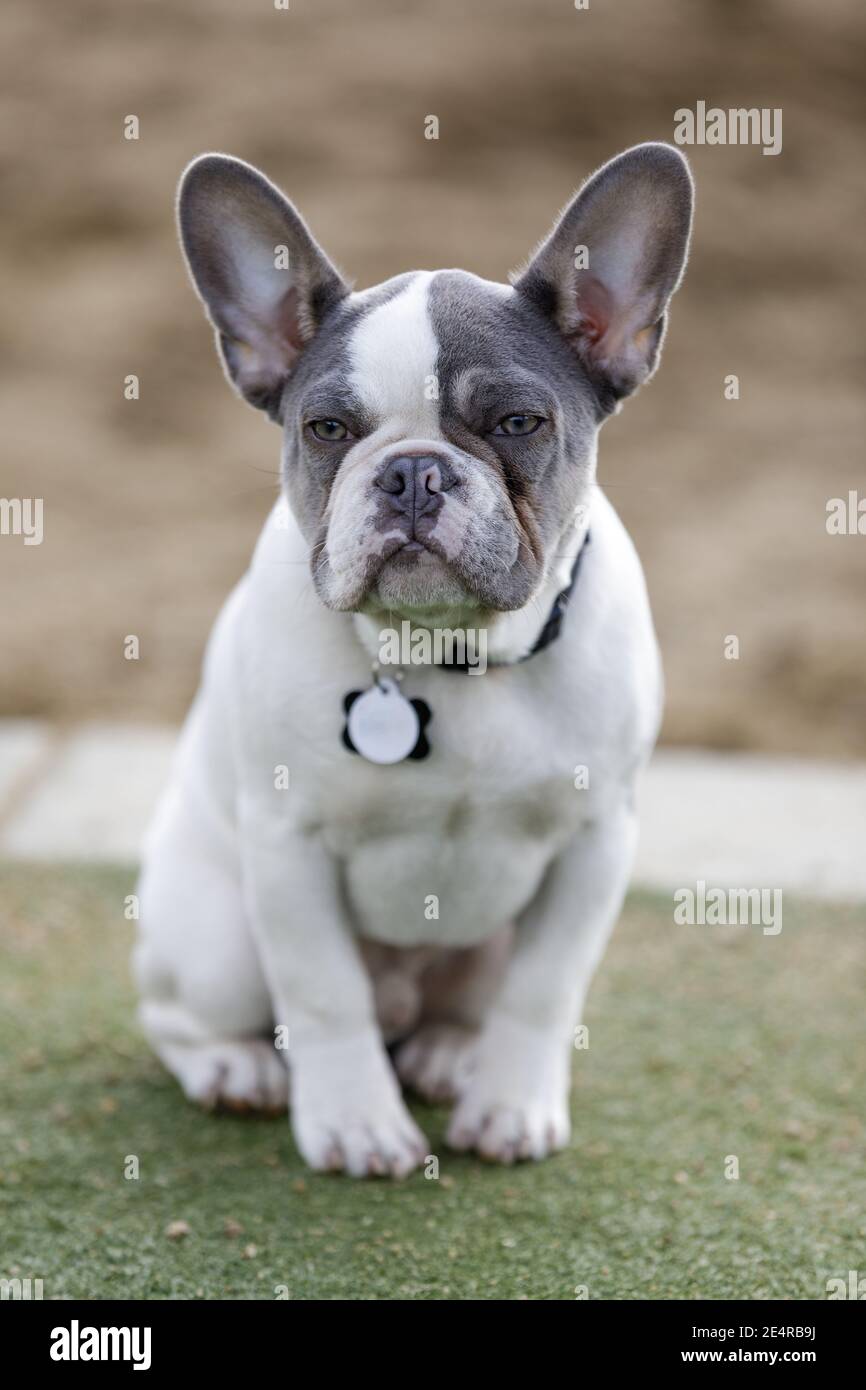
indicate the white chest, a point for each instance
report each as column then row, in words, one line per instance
column 450, row 848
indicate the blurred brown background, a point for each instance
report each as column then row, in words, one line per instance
column 151, row 507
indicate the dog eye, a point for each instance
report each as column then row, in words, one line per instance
column 331, row 431
column 518, row 424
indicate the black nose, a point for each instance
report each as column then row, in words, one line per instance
column 414, row 483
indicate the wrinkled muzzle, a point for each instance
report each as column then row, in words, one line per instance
column 419, row 524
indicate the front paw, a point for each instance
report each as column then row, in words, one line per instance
column 437, row 1061
column 348, row 1114
column 504, row 1131
column 516, row 1105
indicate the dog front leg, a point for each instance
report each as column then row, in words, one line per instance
column 346, row 1108
column 516, row 1105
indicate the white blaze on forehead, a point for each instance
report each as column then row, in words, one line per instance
column 393, row 355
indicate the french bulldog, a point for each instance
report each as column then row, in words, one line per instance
column 330, row 909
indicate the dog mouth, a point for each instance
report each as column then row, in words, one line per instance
column 415, row 552
column 412, row 576
column 412, row 548
column 416, row 574
column 417, row 567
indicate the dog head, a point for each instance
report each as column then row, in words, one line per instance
column 439, row 430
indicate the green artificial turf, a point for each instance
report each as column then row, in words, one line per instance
column 705, row 1042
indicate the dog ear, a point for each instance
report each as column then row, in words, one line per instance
column 611, row 263
column 265, row 283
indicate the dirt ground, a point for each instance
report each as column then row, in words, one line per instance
column 151, row 507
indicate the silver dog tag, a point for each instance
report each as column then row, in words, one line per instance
column 382, row 724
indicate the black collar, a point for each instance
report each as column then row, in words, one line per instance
column 552, row 627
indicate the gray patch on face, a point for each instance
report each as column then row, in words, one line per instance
column 499, row 355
